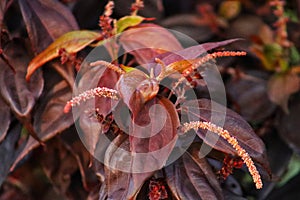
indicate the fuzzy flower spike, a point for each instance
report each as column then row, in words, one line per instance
column 233, row 142
column 90, row 94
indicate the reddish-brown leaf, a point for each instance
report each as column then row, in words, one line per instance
column 153, row 134
column 147, row 41
column 108, row 79
column 288, row 125
column 193, row 51
column 183, row 56
column 4, row 118
column 59, row 165
column 127, row 87
column 249, row 95
column 45, row 21
column 281, row 86
column 209, row 111
column 121, row 180
column 49, row 118
column 75, row 146
column 9, row 150
column 4, row 5
column 191, row 177
column 19, row 94
column 92, row 77
column 72, row 42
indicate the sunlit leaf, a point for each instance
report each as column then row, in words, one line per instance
column 72, row 42
column 193, row 51
column 147, row 41
column 128, row 21
column 177, row 61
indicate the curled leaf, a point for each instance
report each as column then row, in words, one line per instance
column 49, row 118
column 19, row 94
column 72, row 42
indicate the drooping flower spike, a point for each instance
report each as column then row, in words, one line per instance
column 232, row 141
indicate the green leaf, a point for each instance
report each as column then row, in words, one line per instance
column 72, row 42
column 128, row 21
column 272, row 52
column 293, row 170
column 294, row 55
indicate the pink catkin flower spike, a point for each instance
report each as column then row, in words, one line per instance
column 200, row 61
column 90, row 94
column 233, row 142
column 108, row 65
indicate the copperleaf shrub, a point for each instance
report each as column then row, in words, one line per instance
column 143, row 120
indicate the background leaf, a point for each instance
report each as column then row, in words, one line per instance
column 16, row 91
column 249, row 96
column 287, row 125
column 9, row 150
column 281, row 86
column 5, row 118
column 59, row 165
column 45, row 21
column 4, row 5
column 49, row 120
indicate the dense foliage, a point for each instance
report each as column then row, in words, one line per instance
column 43, row 47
